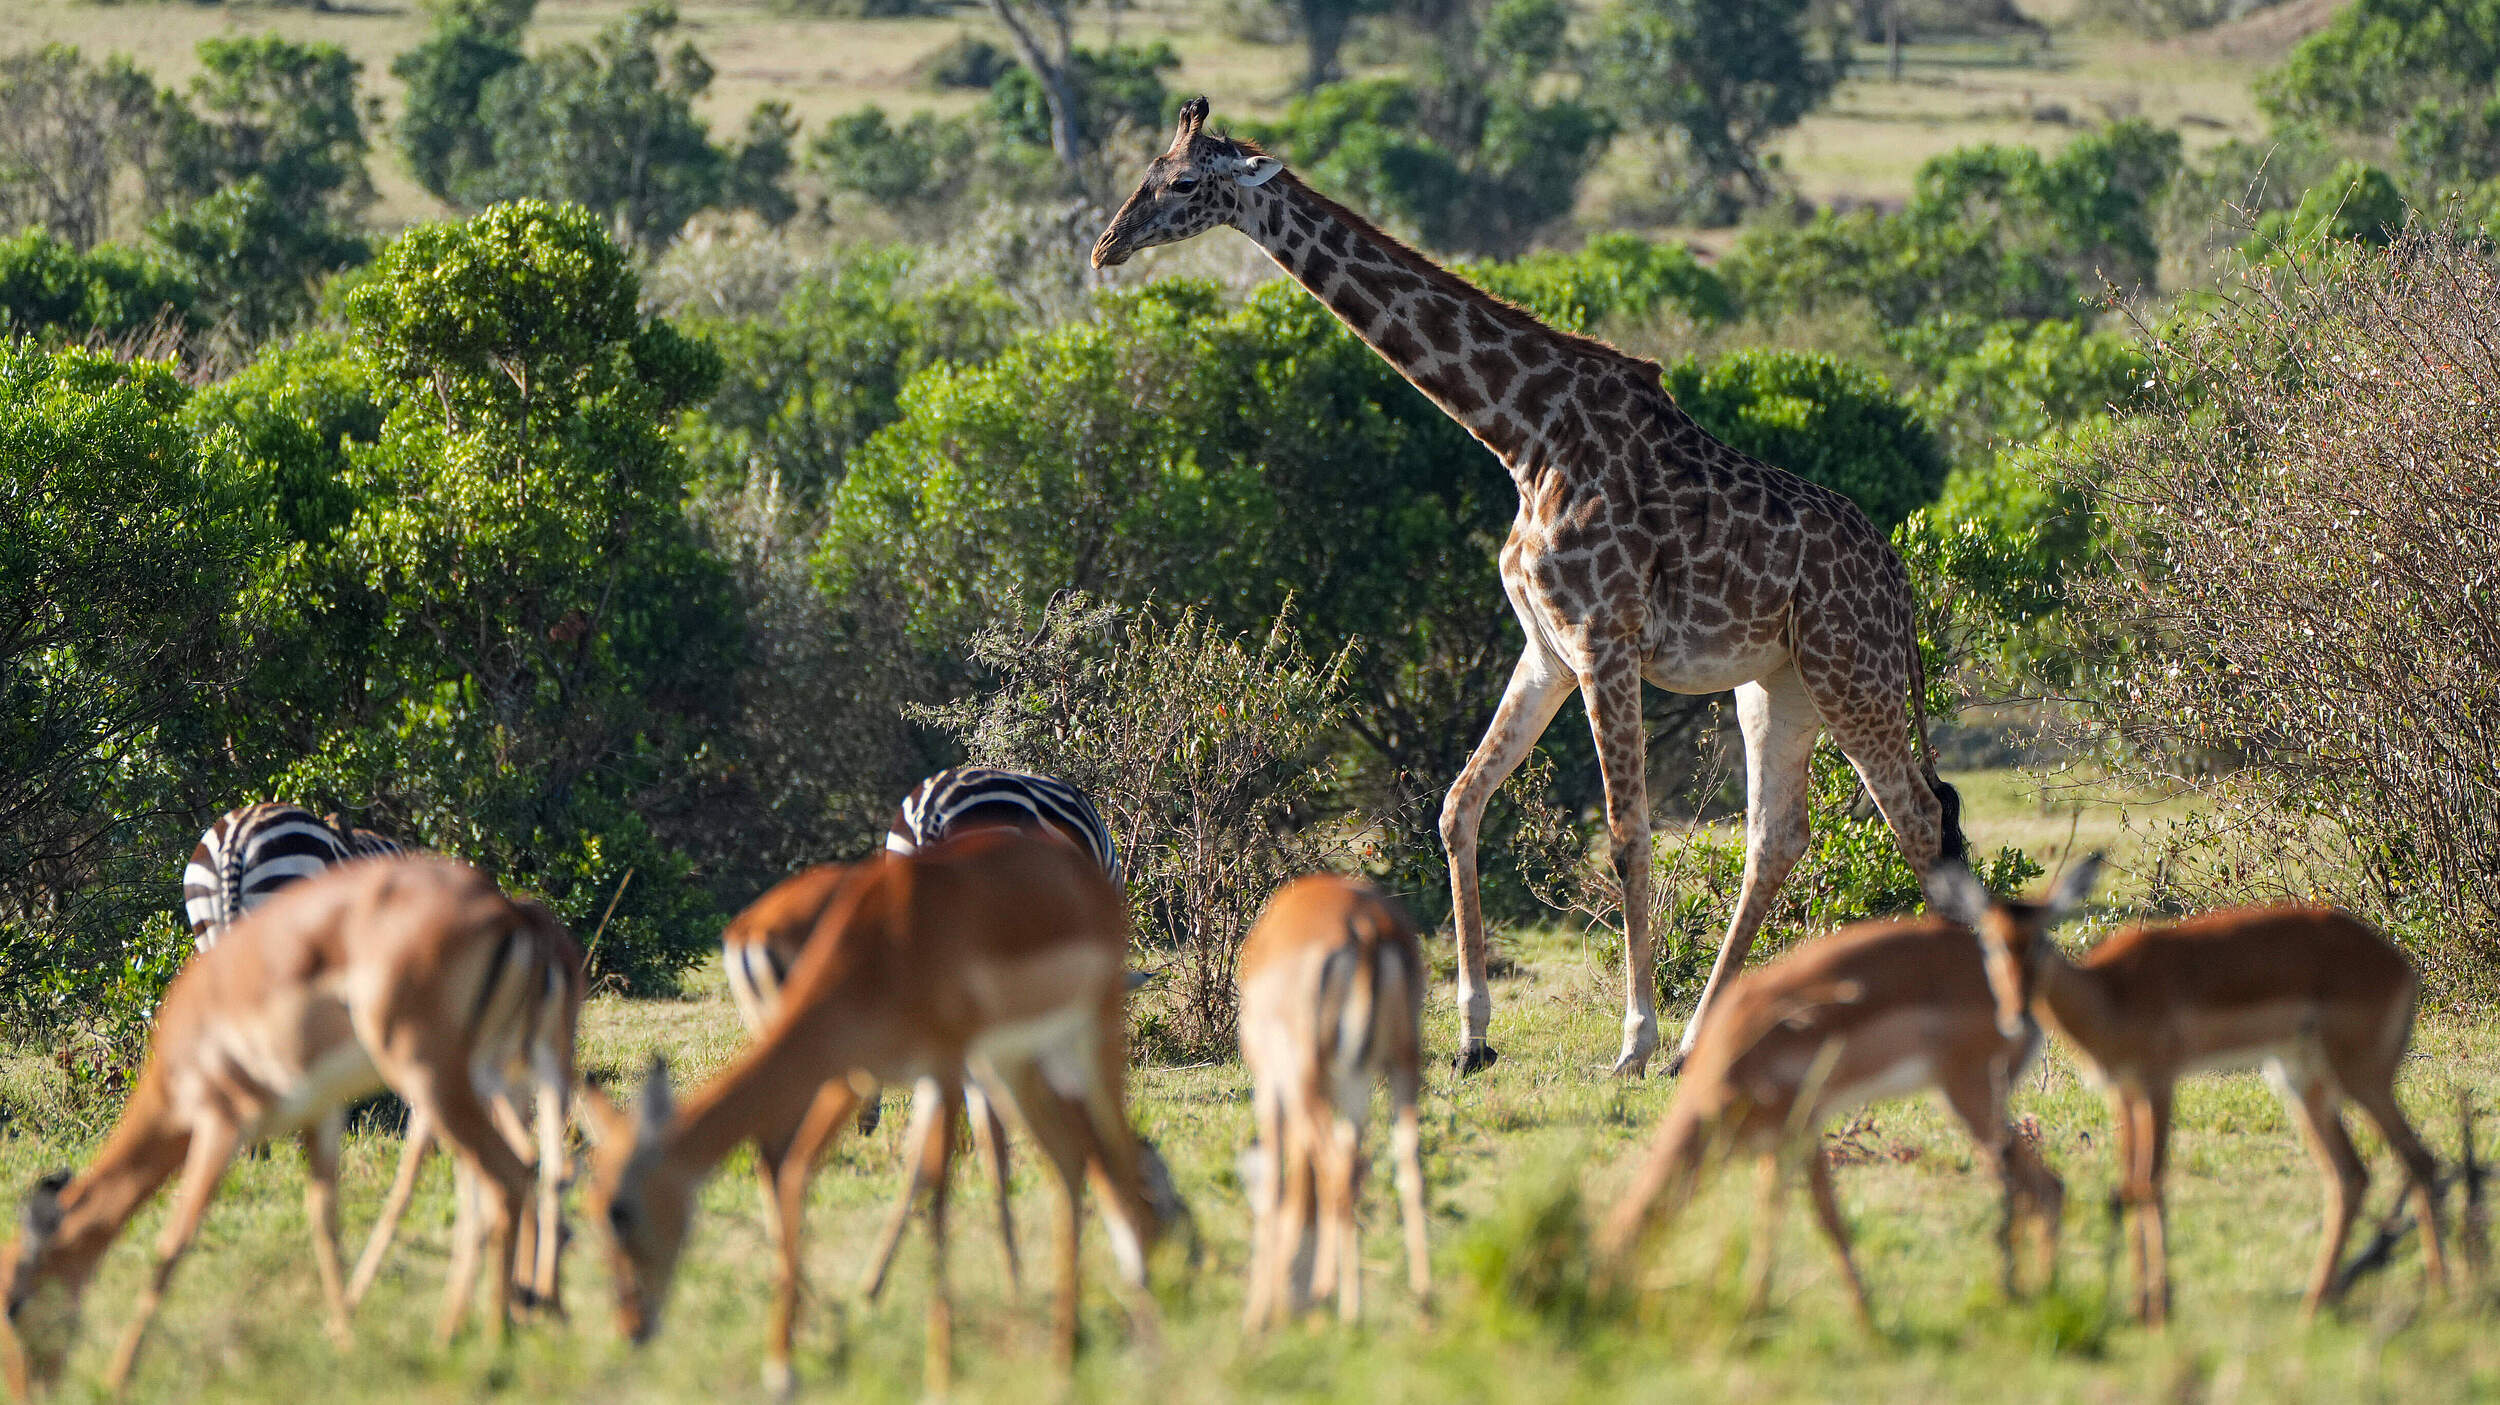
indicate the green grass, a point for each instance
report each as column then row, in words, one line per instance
column 243, row 1319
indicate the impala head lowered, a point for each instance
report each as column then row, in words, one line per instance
column 1192, row 187
column 2013, row 934
column 642, row 1201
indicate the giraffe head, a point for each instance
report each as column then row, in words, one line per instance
column 1192, row 187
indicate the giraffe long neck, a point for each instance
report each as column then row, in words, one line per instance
column 1479, row 362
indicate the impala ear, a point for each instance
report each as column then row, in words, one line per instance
column 1956, row 894
column 2074, row 887
column 600, row 1114
column 41, row 1218
column 1257, row 171
column 659, row 1106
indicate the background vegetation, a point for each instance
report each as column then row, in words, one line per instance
column 580, row 441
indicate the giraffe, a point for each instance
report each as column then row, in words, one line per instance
column 1643, row 551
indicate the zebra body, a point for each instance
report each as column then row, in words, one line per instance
column 944, row 803
column 252, row 852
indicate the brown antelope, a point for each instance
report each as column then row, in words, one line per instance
column 2323, row 1003
column 1332, row 991
column 758, row 948
column 1875, row 1010
column 996, row 955
column 541, row 1072
column 414, row 974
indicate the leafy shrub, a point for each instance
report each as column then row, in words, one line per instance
column 541, row 641
column 2011, row 382
column 120, row 543
column 1120, row 86
column 441, row 134
column 2357, row 204
column 1720, row 78
column 1615, row 276
column 283, row 112
column 2296, row 589
column 1203, row 751
column 810, row 383
column 1991, row 232
column 924, row 165
column 965, row 61
column 72, row 135
column 1826, row 420
column 254, row 262
column 50, row 290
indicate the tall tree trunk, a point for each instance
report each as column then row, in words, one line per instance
column 1053, row 71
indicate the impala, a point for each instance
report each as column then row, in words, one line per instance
column 758, row 948
column 1875, row 1010
column 2322, row 1002
column 414, row 974
column 1332, row 992
column 996, row 955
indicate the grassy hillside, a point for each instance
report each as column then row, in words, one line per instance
column 1864, row 145
column 243, row 1320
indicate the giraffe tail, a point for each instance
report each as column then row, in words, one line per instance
column 1951, row 842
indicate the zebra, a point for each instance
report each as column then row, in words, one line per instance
column 253, row 851
column 966, row 797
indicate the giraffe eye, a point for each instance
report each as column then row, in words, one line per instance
column 1182, row 185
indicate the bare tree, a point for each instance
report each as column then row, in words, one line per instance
column 68, row 132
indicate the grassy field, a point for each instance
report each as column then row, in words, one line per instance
column 1507, row 1154
column 1864, row 145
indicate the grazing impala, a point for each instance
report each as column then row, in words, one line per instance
column 1332, row 994
column 758, row 948
column 414, row 974
column 1872, row 1011
column 999, row 955
column 2313, row 995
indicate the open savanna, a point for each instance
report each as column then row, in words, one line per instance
column 1506, row 1154
column 1864, row 145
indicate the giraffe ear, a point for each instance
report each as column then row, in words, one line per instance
column 1259, row 170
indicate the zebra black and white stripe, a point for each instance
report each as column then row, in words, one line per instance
column 252, row 852
column 946, row 800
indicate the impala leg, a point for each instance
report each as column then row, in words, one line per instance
column 495, row 1191
column 2314, row 1105
column 835, row 1104
column 1300, row 1254
column 936, row 1159
column 1263, row 1305
column 1538, row 684
column 1766, row 1221
column 321, row 1211
column 420, row 1135
column 1406, row 1151
column 1780, row 725
column 2377, row 1098
column 2152, row 1115
column 203, row 1166
column 1058, row 1128
column 1341, row 1184
column 1836, row 1230
column 926, row 1120
column 990, row 1139
column 1977, row 1097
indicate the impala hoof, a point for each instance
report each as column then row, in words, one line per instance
column 1476, row 1060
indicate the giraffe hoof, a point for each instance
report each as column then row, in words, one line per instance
column 1675, row 1064
column 1632, row 1065
column 1477, row 1060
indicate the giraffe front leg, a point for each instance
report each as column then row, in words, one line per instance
column 1538, row 685
column 1612, row 692
column 1779, row 723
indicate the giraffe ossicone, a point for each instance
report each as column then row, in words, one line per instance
column 1644, row 552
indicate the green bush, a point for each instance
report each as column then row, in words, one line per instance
column 255, row 262
column 120, row 548
column 441, row 134
column 51, row 291
column 808, row 384
column 2357, row 204
column 2012, row 382
column 924, row 165
column 283, row 112
column 1616, row 276
column 544, row 643
column 1990, row 232
column 1826, row 420
column 1117, row 86
column 1721, row 79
